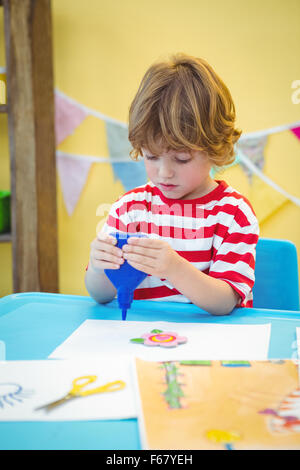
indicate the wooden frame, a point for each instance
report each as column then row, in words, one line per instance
column 30, row 104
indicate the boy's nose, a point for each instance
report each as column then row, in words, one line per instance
column 166, row 170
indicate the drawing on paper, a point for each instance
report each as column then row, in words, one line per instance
column 235, row 363
column 217, row 405
column 173, row 393
column 226, row 438
column 12, row 394
column 165, row 339
column 286, row 417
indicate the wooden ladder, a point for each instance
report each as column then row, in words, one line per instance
column 30, row 110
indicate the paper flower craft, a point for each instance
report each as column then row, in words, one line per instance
column 166, row 339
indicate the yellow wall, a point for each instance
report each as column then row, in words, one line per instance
column 101, row 51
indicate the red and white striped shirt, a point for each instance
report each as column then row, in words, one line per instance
column 217, row 233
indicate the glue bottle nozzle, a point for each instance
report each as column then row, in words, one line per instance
column 124, row 313
column 126, row 278
column 125, row 298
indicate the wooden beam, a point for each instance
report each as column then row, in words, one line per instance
column 30, row 99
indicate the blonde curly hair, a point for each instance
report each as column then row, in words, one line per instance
column 182, row 104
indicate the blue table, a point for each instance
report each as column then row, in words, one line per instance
column 32, row 325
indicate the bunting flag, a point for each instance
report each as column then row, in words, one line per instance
column 296, row 131
column 253, row 148
column 68, row 116
column 254, row 169
column 73, row 169
column 119, row 148
column 73, row 173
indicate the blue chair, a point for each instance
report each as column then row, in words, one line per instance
column 276, row 275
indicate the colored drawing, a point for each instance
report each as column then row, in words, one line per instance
column 223, row 437
column 286, row 417
column 195, row 363
column 245, row 406
column 236, row 363
column 165, row 339
column 173, row 393
column 11, row 394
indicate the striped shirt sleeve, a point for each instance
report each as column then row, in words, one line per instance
column 234, row 256
column 112, row 222
column 119, row 219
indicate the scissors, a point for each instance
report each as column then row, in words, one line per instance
column 77, row 391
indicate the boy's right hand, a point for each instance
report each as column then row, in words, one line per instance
column 104, row 255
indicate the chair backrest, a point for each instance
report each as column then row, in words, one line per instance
column 276, row 275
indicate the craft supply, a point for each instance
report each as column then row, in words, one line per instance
column 223, row 437
column 77, row 390
column 166, row 339
column 206, row 341
column 217, row 407
column 126, row 278
column 26, row 385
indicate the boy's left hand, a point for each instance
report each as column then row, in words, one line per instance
column 152, row 256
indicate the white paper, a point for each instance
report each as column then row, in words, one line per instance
column 26, row 385
column 105, row 338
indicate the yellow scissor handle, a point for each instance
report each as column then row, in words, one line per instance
column 81, row 382
column 109, row 387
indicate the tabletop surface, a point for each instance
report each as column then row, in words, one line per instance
column 32, row 325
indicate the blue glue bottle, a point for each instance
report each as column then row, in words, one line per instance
column 126, row 278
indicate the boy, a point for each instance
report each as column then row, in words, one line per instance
column 201, row 233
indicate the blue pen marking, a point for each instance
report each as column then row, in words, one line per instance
column 235, row 364
column 11, row 394
column 126, row 278
column 229, row 447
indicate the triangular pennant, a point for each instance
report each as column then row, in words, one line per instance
column 255, row 170
column 296, row 131
column 68, row 116
column 130, row 173
column 253, row 148
column 73, row 173
column 117, row 140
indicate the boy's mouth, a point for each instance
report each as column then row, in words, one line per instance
column 167, row 186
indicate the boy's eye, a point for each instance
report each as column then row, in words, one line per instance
column 182, row 161
column 151, row 157
column 178, row 160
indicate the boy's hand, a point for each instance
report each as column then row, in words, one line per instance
column 104, row 255
column 151, row 256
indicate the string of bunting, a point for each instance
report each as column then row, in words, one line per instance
column 74, row 169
